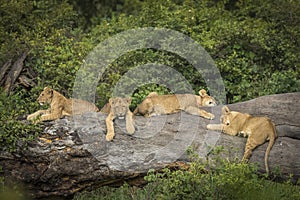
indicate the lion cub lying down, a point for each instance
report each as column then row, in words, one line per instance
column 59, row 106
column 155, row 104
column 257, row 129
column 118, row 108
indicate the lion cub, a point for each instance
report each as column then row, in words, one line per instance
column 257, row 129
column 59, row 106
column 155, row 104
column 118, row 108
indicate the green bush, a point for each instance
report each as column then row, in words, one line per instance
column 252, row 47
column 46, row 29
column 15, row 132
column 1, row 181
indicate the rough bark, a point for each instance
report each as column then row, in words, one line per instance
column 4, row 69
column 14, row 72
column 72, row 153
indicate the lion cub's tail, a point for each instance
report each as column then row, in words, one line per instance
column 270, row 145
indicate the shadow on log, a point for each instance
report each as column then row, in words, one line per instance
column 72, row 153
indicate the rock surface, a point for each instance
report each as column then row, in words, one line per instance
column 72, row 153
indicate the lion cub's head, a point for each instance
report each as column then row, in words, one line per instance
column 206, row 100
column 46, row 96
column 227, row 116
column 119, row 106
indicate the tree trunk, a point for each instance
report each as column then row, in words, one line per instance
column 73, row 154
column 14, row 72
column 4, row 69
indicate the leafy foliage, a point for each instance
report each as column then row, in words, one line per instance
column 46, row 29
column 252, row 48
column 1, row 181
column 13, row 132
column 255, row 49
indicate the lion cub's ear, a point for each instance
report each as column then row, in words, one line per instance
column 48, row 90
column 202, row 93
column 111, row 101
column 152, row 94
column 128, row 99
column 225, row 110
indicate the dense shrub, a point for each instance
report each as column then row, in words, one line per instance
column 48, row 30
column 254, row 44
column 255, row 50
column 14, row 132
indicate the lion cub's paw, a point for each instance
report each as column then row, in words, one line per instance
column 29, row 117
column 209, row 126
column 130, row 129
column 214, row 127
column 210, row 116
column 34, row 119
column 109, row 137
column 33, row 116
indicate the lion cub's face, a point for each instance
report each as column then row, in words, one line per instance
column 227, row 116
column 206, row 99
column 119, row 106
column 45, row 96
column 226, row 119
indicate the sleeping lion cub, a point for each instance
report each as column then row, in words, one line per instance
column 118, row 108
column 257, row 129
column 155, row 104
column 59, row 106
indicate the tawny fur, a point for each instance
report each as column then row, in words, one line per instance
column 118, row 108
column 59, row 106
column 105, row 108
column 257, row 129
column 155, row 104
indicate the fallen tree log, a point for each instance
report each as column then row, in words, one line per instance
column 3, row 70
column 13, row 73
column 72, row 153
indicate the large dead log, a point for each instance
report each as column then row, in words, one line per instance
column 14, row 72
column 4, row 69
column 72, row 153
